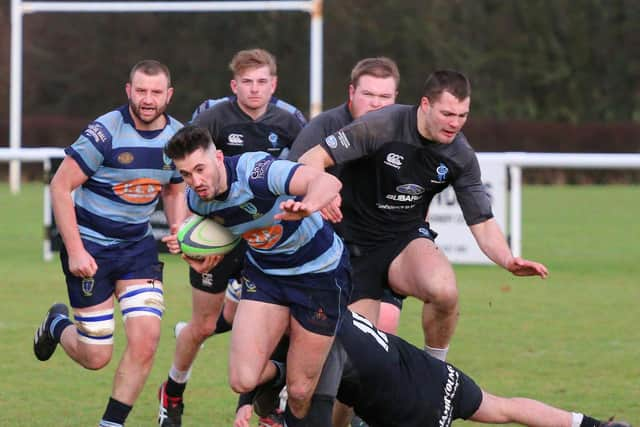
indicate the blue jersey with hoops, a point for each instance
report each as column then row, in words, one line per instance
column 257, row 184
column 127, row 169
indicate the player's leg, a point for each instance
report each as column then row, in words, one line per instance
column 529, row 412
column 257, row 329
column 390, row 309
column 423, row 271
column 142, row 305
column 89, row 341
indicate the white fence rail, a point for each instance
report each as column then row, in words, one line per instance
column 455, row 239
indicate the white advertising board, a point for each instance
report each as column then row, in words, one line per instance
column 445, row 216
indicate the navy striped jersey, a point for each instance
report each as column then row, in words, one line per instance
column 127, row 169
column 234, row 132
column 390, row 174
column 257, row 184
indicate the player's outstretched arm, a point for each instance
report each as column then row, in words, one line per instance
column 317, row 188
column 493, row 243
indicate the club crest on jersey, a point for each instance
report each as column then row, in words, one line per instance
column 331, row 141
column 251, row 209
column 125, row 158
column 167, row 162
column 273, row 138
column 87, row 286
column 442, row 170
column 248, row 285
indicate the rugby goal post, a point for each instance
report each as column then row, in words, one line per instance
column 20, row 8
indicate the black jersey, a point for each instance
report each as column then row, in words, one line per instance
column 390, row 382
column 234, row 132
column 319, row 128
column 390, row 174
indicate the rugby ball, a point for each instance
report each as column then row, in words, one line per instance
column 199, row 236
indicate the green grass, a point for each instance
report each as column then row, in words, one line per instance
column 572, row 340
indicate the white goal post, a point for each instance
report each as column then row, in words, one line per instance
column 20, row 8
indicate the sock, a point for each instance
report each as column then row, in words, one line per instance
column 438, row 353
column 290, row 420
column 281, row 373
column 175, row 389
column 222, row 325
column 585, row 421
column 57, row 325
column 115, row 414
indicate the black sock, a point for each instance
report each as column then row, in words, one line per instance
column 589, row 422
column 116, row 412
column 291, row 420
column 222, row 325
column 281, row 372
column 175, row 389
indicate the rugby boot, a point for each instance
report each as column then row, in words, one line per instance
column 43, row 342
column 170, row 409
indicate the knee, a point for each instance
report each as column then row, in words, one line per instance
column 445, row 295
column 242, row 381
column 299, row 391
column 203, row 327
column 96, row 358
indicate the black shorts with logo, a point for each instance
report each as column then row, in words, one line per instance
column 215, row 281
column 371, row 266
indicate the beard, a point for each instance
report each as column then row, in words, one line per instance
column 136, row 110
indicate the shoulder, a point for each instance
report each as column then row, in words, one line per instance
column 174, row 124
column 220, row 109
column 289, row 109
column 208, row 104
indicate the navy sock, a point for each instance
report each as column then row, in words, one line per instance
column 175, row 389
column 590, row 422
column 57, row 325
column 115, row 414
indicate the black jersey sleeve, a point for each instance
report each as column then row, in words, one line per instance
column 310, row 136
column 471, row 193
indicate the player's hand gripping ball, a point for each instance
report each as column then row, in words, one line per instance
column 200, row 236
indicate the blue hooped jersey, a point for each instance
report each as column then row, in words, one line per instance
column 257, row 184
column 127, row 169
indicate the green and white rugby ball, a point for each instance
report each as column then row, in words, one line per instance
column 200, row 236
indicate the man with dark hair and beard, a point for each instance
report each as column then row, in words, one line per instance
column 117, row 171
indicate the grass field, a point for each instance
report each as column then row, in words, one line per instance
column 572, row 340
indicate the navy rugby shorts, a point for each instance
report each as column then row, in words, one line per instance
column 317, row 301
column 131, row 260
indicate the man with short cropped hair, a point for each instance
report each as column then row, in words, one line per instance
column 103, row 194
column 251, row 120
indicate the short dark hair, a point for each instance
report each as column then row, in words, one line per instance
column 187, row 140
column 380, row 67
column 150, row 67
column 454, row 82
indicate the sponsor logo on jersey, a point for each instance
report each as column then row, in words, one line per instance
column 413, row 189
column 394, row 160
column 394, row 207
column 260, row 168
column 331, row 141
column 342, row 138
column 403, row 197
column 125, row 158
column 450, row 388
column 264, row 238
column 87, row 286
column 97, row 132
column 442, row 170
column 273, row 138
column 236, row 139
column 139, row 191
